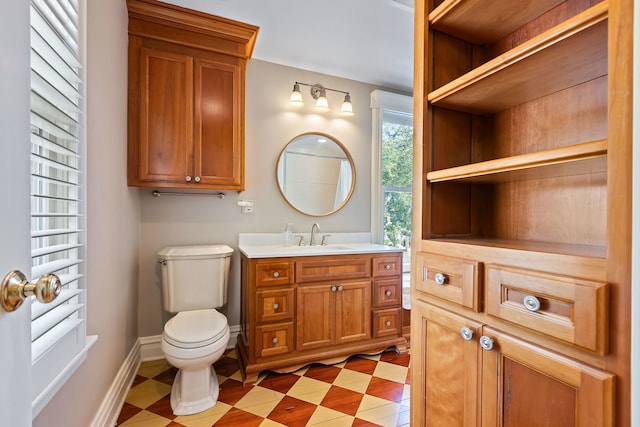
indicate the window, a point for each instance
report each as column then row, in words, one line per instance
column 58, row 331
column 392, row 171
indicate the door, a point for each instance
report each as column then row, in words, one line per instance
column 446, row 368
column 15, row 329
column 353, row 311
column 315, row 316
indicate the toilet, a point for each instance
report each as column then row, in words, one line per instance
column 194, row 285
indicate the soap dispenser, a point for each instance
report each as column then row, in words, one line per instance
column 287, row 236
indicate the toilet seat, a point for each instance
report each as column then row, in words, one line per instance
column 195, row 329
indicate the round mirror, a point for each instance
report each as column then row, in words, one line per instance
column 315, row 174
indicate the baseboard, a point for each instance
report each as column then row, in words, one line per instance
column 111, row 406
column 144, row 349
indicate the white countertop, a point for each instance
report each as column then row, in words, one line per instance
column 269, row 245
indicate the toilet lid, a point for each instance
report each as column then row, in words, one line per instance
column 196, row 328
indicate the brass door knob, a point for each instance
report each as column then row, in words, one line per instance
column 15, row 288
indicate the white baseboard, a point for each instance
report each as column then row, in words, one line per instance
column 144, row 349
column 111, row 405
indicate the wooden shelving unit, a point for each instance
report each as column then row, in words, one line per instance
column 480, row 21
column 564, row 56
column 589, row 157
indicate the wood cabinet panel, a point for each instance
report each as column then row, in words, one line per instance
column 186, row 97
column 315, row 317
column 274, row 273
column 275, row 305
column 387, row 266
column 537, row 387
column 315, row 269
column 450, row 278
column 567, row 308
column 317, row 309
column 166, row 105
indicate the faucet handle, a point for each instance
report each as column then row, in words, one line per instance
column 300, row 238
column 325, row 238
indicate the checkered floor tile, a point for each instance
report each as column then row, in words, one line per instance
column 361, row 391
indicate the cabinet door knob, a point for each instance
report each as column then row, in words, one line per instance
column 486, row 343
column 275, row 340
column 276, row 306
column 340, row 288
column 187, row 178
column 276, row 274
column 531, row 303
column 387, row 267
column 334, row 288
column 467, row 333
column 388, row 323
column 197, row 179
column 387, row 293
column 439, row 278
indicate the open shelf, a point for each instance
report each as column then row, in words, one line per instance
column 588, row 157
column 566, row 55
column 481, row 21
column 585, row 251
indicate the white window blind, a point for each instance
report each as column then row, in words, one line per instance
column 57, row 188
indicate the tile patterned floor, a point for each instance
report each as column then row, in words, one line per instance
column 361, row 391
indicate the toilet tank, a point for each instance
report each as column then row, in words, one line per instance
column 194, row 277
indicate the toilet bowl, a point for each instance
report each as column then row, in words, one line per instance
column 192, row 341
column 194, row 284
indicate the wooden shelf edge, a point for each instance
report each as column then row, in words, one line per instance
column 534, row 163
column 474, row 22
column 501, row 64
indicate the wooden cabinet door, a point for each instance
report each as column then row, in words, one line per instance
column 315, row 316
column 526, row 385
column 217, row 144
column 353, row 311
column 446, row 368
column 166, row 111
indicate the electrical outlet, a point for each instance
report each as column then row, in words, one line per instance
column 248, row 209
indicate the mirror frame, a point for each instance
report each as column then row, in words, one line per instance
column 348, row 156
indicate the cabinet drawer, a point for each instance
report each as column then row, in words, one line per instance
column 274, row 339
column 387, row 322
column 450, row 278
column 387, row 292
column 274, row 273
column 387, row 266
column 331, row 268
column 563, row 307
column 274, row 305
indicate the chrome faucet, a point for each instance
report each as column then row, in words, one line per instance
column 314, row 229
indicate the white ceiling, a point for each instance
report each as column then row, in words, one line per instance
column 365, row 40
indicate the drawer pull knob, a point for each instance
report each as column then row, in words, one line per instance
column 387, row 293
column 466, row 333
column 388, row 323
column 276, row 306
column 486, row 343
column 439, row 278
column 275, row 340
column 387, row 267
column 334, row 288
column 531, row 303
column 276, row 274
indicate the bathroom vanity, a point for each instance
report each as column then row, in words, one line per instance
column 321, row 304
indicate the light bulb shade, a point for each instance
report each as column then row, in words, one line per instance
column 347, row 108
column 296, row 96
column 321, row 103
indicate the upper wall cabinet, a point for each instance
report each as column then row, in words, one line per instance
column 186, row 97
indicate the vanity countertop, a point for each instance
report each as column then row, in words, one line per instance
column 269, row 245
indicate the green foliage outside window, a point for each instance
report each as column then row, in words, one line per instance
column 397, row 160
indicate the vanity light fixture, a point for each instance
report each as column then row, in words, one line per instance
column 319, row 93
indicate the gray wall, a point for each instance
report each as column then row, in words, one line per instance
column 270, row 124
column 113, row 223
